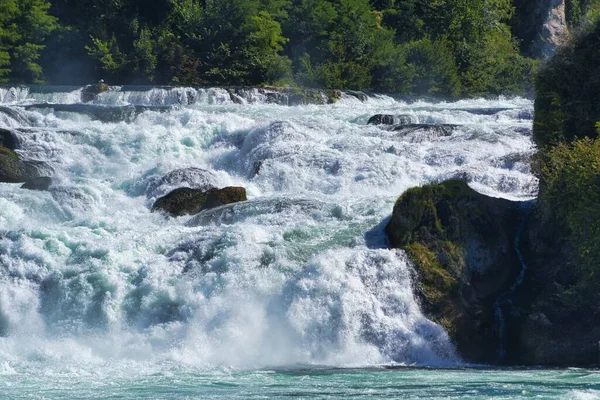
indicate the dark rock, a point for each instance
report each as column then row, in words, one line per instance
column 359, row 95
column 12, row 169
column 560, row 324
column 382, row 119
column 485, row 111
column 8, row 139
column 437, row 130
column 42, row 183
column 184, row 201
column 234, row 97
column 387, row 119
column 461, row 244
column 90, row 92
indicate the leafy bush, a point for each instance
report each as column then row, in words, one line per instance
column 570, row 194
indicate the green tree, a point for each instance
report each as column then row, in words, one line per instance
column 24, row 27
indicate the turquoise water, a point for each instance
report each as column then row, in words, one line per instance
column 305, row 383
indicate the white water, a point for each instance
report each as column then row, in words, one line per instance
column 299, row 274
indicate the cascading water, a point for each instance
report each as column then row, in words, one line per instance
column 88, row 275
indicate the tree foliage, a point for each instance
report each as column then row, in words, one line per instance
column 437, row 47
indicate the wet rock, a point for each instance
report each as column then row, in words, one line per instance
column 42, row 183
column 461, row 245
column 359, row 95
column 193, row 178
column 12, row 169
column 8, row 139
column 387, row 119
column 90, row 92
column 186, row 201
column 486, row 111
column 436, row 130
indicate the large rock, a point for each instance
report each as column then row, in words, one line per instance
column 462, row 246
column 184, row 201
column 388, row 119
column 12, row 169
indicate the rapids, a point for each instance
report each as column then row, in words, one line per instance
column 298, row 275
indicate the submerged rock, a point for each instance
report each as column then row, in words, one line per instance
column 461, row 244
column 42, row 183
column 437, row 130
column 359, row 95
column 12, row 169
column 184, row 201
column 95, row 112
column 388, row 119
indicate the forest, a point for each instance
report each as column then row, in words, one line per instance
column 443, row 48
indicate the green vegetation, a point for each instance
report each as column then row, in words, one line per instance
column 568, row 100
column 430, row 47
column 566, row 130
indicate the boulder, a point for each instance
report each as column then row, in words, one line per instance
column 90, row 92
column 8, row 139
column 12, row 169
column 186, row 201
column 42, row 183
column 461, row 244
column 387, row 119
column 432, row 129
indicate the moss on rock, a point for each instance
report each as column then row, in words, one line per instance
column 461, row 245
column 186, row 201
column 12, row 169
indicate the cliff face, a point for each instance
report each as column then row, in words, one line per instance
column 541, row 25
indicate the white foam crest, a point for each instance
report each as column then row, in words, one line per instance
column 71, row 97
column 13, row 94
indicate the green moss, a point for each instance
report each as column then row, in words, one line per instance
column 8, row 152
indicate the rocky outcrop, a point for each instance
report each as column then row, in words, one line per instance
column 541, row 25
column 469, row 250
column 12, row 169
column 186, row 201
column 8, row 139
column 461, row 245
column 559, row 322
